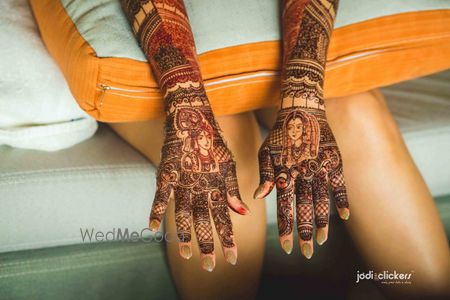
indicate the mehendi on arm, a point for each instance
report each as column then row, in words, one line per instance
column 300, row 155
column 197, row 168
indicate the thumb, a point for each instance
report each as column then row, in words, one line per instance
column 266, row 173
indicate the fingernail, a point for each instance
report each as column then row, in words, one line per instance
column 231, row 258
column 345, row 214
column 208, row 263
column 186, row 252
column 258, row 192
column 307, row 250
column 321, row 236
column 244, row 210
column 154, row 225
column 287, row 246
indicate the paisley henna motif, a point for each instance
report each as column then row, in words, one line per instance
column 300, row 155
column 196, row 168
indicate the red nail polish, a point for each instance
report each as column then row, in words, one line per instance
column 242, row 211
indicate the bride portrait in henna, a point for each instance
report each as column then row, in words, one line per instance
column 209, row 166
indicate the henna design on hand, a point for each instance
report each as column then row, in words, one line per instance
column 300, row 155
column 197, row 168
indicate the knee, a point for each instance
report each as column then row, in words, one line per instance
column 243, row 137
column 363, row 116
column 434, row 276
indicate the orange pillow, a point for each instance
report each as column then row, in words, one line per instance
column 362, row 56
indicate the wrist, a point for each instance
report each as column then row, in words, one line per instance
column 189, row 113
column 302, row 100
column 186, row 94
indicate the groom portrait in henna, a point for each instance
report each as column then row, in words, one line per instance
column 203, row 157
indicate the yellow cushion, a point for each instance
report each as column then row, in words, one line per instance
column 362, row 56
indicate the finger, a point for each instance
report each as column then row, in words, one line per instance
column 232, row 191
column 321, row 206
column 285, row 195
column 222, row 222
column 266, row 173
column 339, row 193
column 164, row 192
column 203, row 230
column 305, row 214
column 183, row 221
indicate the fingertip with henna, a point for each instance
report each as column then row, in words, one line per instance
column 231, row 257
column 185, row 251
column 244, row 209
column 238, row 206
column 263, row 190
column 307, row 250
column 208, row 263
column 154, row 225
column 321, row 236
column 344, row 213
column 287, row 246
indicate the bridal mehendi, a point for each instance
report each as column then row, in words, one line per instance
column 300, row 156
column 196, row 169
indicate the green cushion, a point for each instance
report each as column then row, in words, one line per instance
column 90, row 271
column 122, row 270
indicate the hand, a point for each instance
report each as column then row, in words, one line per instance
column 198, row 170
column 300, row 156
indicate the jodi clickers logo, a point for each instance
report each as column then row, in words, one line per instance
column 385, row 277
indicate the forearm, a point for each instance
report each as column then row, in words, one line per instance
column 163, row 31
column 307, row 27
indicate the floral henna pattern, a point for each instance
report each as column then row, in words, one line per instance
column 300, row 156
column 197, row 168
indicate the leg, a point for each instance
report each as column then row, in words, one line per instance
column 226, row 281
column 393, row 221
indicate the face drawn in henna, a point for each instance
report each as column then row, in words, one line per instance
column 295, row 130
column 197, row 136
column 300, row 138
